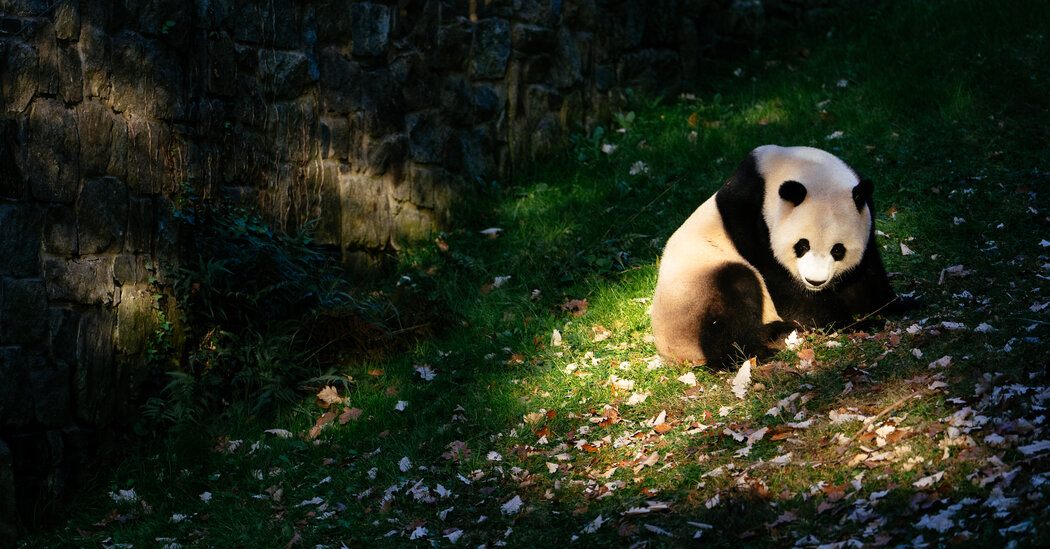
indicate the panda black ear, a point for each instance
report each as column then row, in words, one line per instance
column 862, row 193
column 793, row 191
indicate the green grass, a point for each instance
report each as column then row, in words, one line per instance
column 942, row 104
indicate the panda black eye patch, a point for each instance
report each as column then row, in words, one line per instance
column 838, row 251
column 802, row 246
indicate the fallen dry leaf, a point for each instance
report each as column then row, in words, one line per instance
column 349, row 414
column 575, row 306
column 325, row 419
column 329, row 396
column 743, row 378
column 806, row 357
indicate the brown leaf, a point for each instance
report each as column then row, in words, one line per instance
column 601, row 333
column 662, row 428
column 824, row 506
column 349, row 414
column 329, row 396
column 458, row 450
column 376, row 372
column 575, row 306
column 788, row 516
column 806, row 354
column 834, row 492
column 325, row 418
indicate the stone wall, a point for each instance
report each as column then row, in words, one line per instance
column 371, row 117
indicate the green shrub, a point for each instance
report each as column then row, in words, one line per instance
column 254, row 303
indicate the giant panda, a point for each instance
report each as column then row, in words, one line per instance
column 788, row 242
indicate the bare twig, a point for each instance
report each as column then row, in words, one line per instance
column 871, row 420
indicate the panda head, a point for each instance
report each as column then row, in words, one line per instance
column 818, row 213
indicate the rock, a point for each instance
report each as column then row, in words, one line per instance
column 567, row 69
column 84, row 280
column 382, row 108
column 96, row 377
column 102, row 212
column 661, row 24
column 411, row 225
column 366, row 220
column 15, row 411
column 539, row 12
column 292, row 125
column 60, row 230
column 146, row 78
column 12, row 181
column 489, row 101
column 95, row 51
column 222, row 58
column 604, row 78
column 48, row 384
column 478, row 156
column 388, row 154
column 21, row 236
column 532, row 39
column 453, row 46
column 22, row 311
column 136, row 320
column 285, row 74
column 650, row 70
column 547, row 138
column 142, row 146
column 335, row 138
column 490, row 50
column 370, row 29
column 328, row 229
column 52, row 152
column 419, row 185
column 417, row 81
column 140, row 224
column 8, row 507
column 427, row 137
column 95, row 127
column 457, row 101
column 690, row 50
column 63, row 323
column 19, row 80
column 340, row 82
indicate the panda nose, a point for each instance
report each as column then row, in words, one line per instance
column 815, row 283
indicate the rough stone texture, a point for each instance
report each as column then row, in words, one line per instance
column 8, row 506
column 371, row 117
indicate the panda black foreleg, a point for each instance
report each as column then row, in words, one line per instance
column 731, row 327
column 776, row 331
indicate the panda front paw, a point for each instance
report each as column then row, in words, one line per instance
column 901, row 305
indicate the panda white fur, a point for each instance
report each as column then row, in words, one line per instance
column 788, row 242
